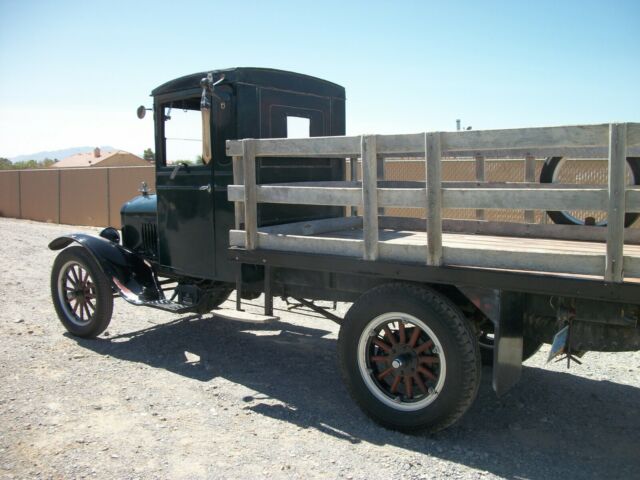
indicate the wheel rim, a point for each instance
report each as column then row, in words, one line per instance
column 401, row 361
column 77, row 293
column 578, row 217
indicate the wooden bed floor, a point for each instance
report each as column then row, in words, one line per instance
column 487, row 242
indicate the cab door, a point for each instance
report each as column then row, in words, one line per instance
column 184, row 185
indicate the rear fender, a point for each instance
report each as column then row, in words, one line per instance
column 129, row 274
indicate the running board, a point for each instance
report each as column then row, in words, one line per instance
column 241, row 316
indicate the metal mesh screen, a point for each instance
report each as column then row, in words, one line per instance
column 584, row 172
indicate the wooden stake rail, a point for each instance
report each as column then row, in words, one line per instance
column 616, row 198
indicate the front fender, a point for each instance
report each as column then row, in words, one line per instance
column 129, row 274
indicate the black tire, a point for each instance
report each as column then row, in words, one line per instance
column 216, row 296
column 564, row 218
column 81, row 293
column 454, row 377
column 529, row 348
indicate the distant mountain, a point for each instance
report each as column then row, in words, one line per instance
column 59, row 154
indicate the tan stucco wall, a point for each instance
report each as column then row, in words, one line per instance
column 9, row 194
column 74, row 196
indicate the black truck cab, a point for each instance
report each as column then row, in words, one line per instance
column 184, row 227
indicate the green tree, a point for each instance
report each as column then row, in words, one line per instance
column 148, row 155
column 5, row 164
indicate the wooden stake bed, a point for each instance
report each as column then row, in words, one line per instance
column 469, row 250
column 593, row 251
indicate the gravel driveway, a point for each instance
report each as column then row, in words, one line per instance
column 161, row 396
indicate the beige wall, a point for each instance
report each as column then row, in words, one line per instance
column 9, row 194
column 39, row 195
column 75, row 196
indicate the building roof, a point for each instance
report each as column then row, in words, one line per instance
column 90, row 159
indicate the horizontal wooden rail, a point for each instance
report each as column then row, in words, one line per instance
column 539, row 142
column 485, row 198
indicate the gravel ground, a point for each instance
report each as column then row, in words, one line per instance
column 160, row 396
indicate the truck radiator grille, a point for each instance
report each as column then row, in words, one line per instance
column 149, row 238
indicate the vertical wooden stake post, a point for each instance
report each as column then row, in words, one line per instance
column 369, row 196
column 250, row 197
column 480, row 177
column 434, row 198
column 616, row 191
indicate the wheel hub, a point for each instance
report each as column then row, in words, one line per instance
column 405, row 364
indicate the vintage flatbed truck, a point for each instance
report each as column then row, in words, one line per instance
column 432, row 297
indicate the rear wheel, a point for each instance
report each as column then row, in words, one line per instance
column 81, row 293
column 409, row 358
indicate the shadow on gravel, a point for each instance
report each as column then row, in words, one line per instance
column 550, row 424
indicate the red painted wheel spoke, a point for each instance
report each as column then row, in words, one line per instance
column 382, row 345
column 403, row 333
column 74, row 274
column 420, row 383
column 408, row 385
column 379, row 358
column 426, row 373
column 414, row 336
column 389, row 335
column 425, row 346
column 86, row 308
column 429, row 359
column 395, row 384
column 385, row 373
column 75, row 308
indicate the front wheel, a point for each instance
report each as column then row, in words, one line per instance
column 81, row 293
column 409, row 358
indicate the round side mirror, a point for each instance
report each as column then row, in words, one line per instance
column 141, row 112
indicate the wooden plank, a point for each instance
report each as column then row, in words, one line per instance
column 616, row 213
column 581, row 141
column 314, row 227
column 632, row 203
column 380, row 161
column 238, row 179
column 527, row 198
column 301, row 244
column 480, row 177
column 353, row 164
column 529, row 176
column 334, row 196
column 301, row 147
column 250, row 198
column 633, row 138
column 370, row 196
column 527, row 138
column 543, row 198
column 434, row 198
column 511, row 229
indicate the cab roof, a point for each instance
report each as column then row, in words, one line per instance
column 259, row 77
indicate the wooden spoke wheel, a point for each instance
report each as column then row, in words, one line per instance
column 81, row 293
column 401, row 361
column 409, row 357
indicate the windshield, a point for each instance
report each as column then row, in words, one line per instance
column 183, row 131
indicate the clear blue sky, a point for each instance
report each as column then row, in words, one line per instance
column 73, row 72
